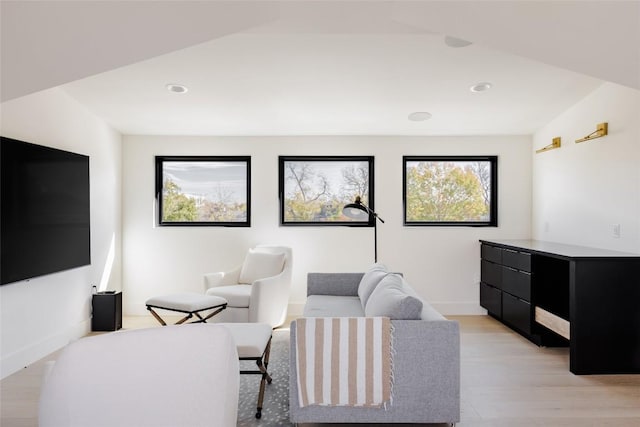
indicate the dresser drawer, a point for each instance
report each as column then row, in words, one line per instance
column 491, row 299
column 517, row 313
column 491, row 253
column 491, row 273
column 517, row 283
column 517, row 260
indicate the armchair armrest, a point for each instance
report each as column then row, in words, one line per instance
column 269, row 300
column 222, row 278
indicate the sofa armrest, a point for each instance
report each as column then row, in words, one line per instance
column 426, row 369
column 342, row 284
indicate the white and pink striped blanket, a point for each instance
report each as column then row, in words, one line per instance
column 344, row 361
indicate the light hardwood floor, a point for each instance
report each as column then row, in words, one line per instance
column 505, row 381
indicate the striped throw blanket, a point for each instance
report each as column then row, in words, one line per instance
column 344, row 361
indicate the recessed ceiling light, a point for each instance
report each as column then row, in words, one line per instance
column 419, row 116
column 455, row 42
column 481, row 87
column 176, row 88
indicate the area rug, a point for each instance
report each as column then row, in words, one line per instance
column 275, row 408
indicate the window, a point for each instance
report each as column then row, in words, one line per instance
column 314, row 189
column 450, row 190
column 203, row 190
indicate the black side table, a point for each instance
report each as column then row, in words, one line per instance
column 107, row 311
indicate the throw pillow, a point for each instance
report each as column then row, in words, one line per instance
column 369, row 281
column 259, row 265
column 390, row 299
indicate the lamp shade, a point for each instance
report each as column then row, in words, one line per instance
column 356, row 210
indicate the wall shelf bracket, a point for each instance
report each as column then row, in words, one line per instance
column 602, row 130
column 556, row 143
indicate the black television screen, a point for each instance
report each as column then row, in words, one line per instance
column 44, row 210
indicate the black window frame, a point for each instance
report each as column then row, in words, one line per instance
column 159, row 187
column 493, row 203
column 282, row 160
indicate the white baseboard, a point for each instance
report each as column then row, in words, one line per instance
column 451, row 308
column 135, row 309
column 295, row 309
column 27, row 355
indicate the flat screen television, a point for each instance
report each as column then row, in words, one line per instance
column 44, row 210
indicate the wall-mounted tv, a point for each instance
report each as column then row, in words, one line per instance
column 44, row 210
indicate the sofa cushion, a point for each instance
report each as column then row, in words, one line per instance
column 259, row 265
column 391, row 299
column 333, row 306
column 369, row 281
column 428, row 312
column 345, row 284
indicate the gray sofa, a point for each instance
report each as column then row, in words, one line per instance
column 426, row 365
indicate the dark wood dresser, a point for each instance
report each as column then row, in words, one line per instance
column 556, row 294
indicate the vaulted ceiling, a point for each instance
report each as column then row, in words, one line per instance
column 312, row 67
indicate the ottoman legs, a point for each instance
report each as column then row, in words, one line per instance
column 188, row 316
column 190, row 304
column 263, row 363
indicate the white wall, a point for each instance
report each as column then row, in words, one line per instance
column 442, row 263
column 43, row 314
column 581, row 190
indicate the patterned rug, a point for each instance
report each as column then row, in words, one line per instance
column 275, row 408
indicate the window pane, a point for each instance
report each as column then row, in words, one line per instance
column 450, row 190
column 205, row 191
column 315, row 189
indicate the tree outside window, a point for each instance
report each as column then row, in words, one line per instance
column 203, row 190
column 314, row 189
column 450, row 190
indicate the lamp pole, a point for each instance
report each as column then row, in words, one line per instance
column 375, row 240
column 358, row 210
column 375, row 233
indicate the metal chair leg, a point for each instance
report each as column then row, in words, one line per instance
column 262, row 363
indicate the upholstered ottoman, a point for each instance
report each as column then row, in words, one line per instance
column 253, row 342
column 116, row 379
column 189, row 303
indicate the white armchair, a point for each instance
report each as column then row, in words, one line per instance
column 257, row 290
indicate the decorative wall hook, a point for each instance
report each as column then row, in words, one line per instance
column 554, row 144
column 602, row 130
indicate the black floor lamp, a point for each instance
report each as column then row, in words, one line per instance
column 359, row 211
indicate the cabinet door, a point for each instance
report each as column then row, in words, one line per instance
column 491, row 299
column 517, row 313
column 491, row 253
column 517, row 260
column 517, row 283
column 491, row 273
